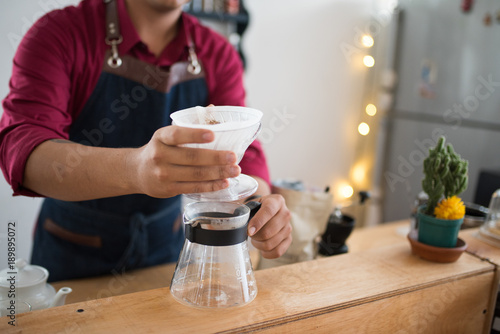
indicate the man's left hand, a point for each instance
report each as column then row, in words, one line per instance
column 270, row 228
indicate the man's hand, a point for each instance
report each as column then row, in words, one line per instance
column 270, row 228
column 165, row 168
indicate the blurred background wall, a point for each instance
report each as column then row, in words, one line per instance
column 304, row 71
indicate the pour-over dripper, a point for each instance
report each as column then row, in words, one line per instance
column 214, row 269
column 235, row 128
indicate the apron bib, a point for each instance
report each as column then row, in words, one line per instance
column 132, row 99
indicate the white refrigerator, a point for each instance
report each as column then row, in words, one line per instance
column 447, row 65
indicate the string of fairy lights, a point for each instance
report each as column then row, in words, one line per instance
column 358, row 172
column 371, row 110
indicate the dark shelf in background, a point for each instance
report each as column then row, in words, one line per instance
column 240, row 20
column 224, row 17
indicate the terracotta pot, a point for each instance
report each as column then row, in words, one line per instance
column 436, row 254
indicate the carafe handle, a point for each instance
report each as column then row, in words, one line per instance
column 254, row 207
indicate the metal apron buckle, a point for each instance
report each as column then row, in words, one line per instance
column 114, row 61
column 194, row 66
column 113, row 36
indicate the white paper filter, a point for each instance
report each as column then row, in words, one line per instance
column 235, row 127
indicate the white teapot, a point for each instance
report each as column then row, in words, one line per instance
column 25, row 286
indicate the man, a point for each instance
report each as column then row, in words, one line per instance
column 86, row 124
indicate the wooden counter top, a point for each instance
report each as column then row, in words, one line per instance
column 383, row 290
column 128, row 282
column 479, row 247
column 383, row 235
column 160, row 276
column 108, row 286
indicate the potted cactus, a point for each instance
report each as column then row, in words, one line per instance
column 445, row 178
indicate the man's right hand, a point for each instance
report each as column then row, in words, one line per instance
column 165, row 167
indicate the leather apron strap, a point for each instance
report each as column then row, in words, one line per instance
column 113, row 36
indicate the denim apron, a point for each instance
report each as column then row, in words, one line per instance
column 132, row 99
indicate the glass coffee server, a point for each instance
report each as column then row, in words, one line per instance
column 214, row 268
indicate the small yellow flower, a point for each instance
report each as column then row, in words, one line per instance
column 450, row 208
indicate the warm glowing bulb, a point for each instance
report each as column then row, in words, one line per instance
column 371, row 110
column 363, row 128
column 358, row 173
column 367, row 41
column 347, row 191
column 368, row 61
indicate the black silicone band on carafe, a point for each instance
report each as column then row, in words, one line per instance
column 216, row 237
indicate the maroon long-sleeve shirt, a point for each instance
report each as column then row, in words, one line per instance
column 58, row 63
